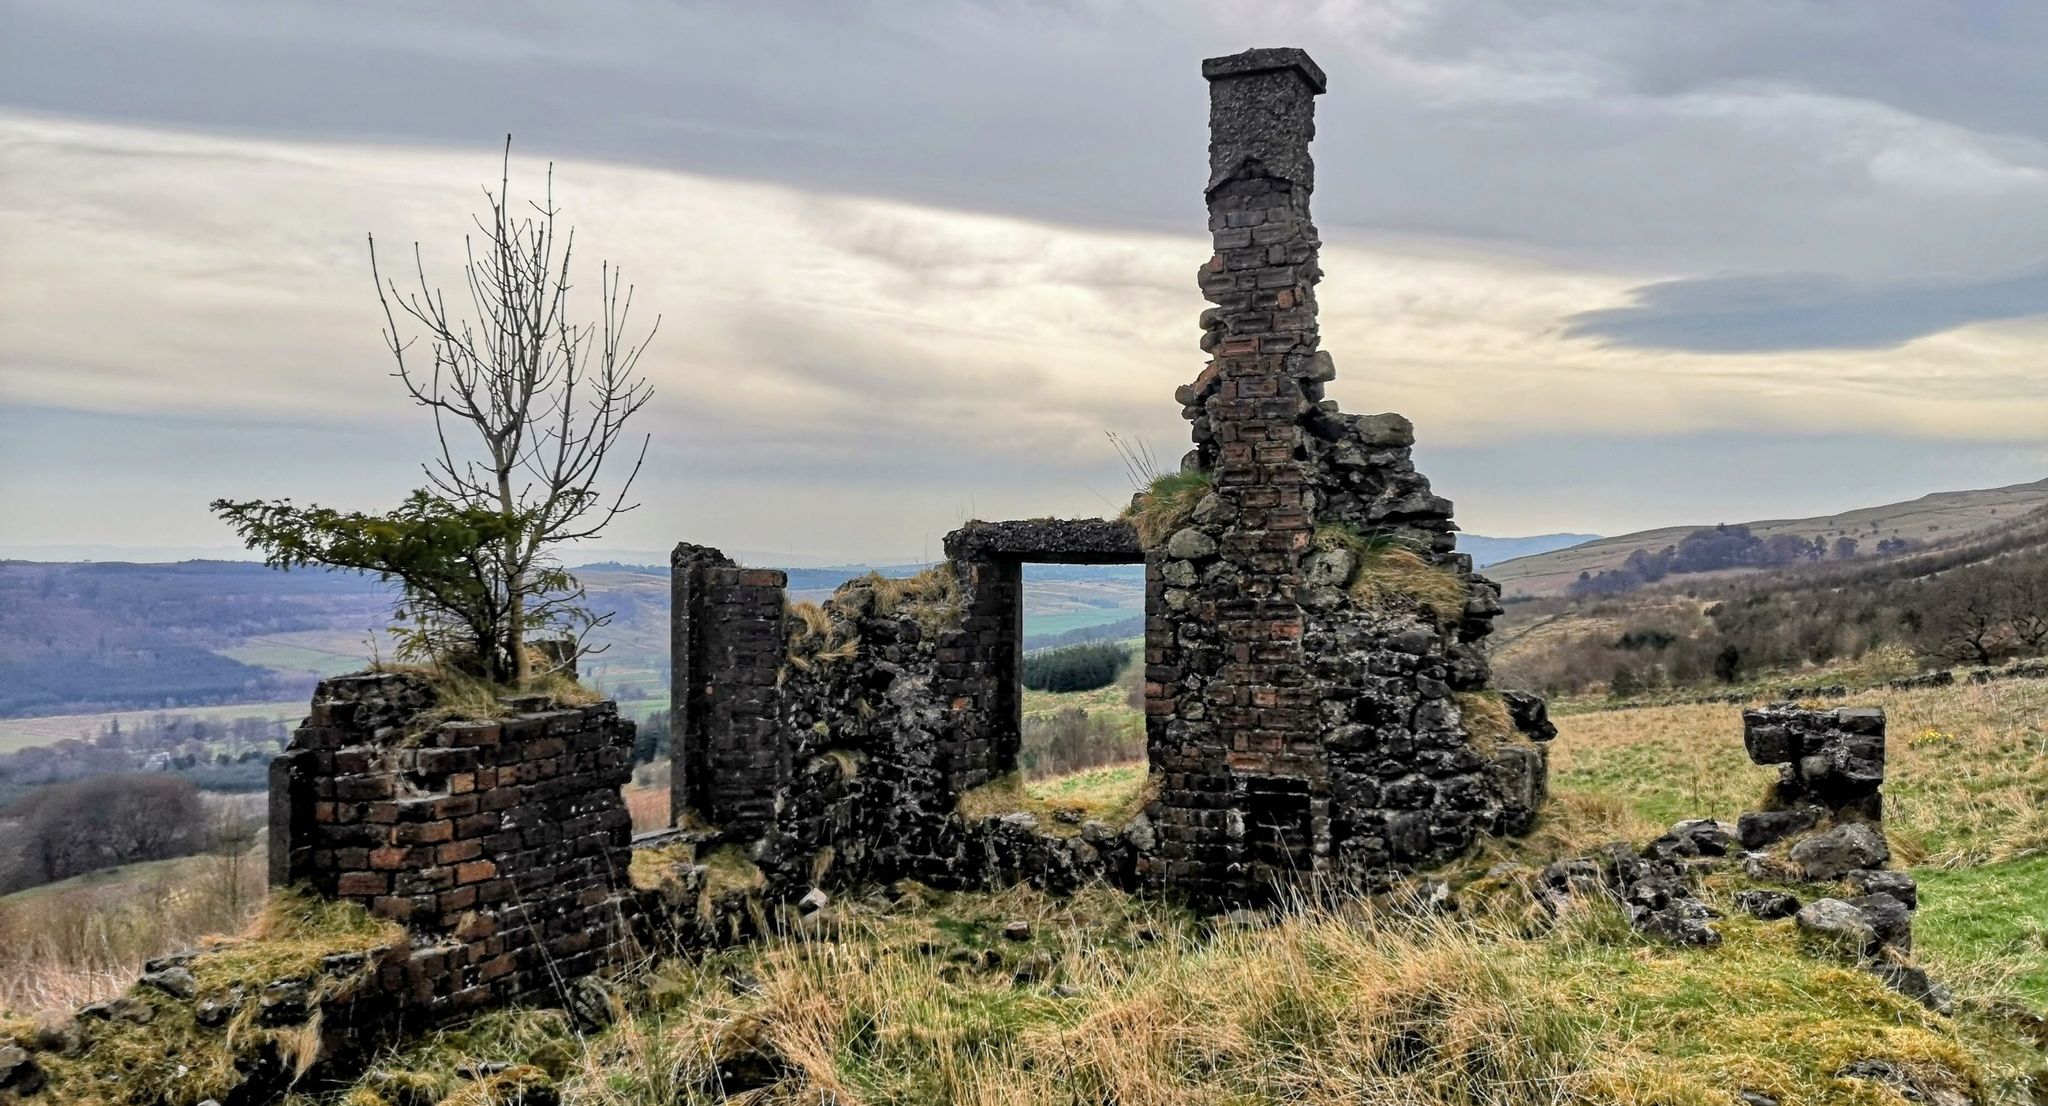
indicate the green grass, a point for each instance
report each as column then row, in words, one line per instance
column 1113, row 794
column 1061, row 621
column 1133, row 1002
column 1991, row 919
column 287, row 657
column 1112, row 699
column 20, row 733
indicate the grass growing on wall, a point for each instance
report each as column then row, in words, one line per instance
column 1391, row 573
column 1166, row 504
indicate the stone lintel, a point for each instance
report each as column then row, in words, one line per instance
column 1077, row 541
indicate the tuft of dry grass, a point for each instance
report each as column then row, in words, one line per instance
column 1486, row 719
column 67, row 944
column 1392, row 574
column 1166, row 504
column 463, row 698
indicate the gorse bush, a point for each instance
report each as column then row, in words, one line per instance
column 1074, row 668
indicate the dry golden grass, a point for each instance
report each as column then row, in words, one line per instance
column 1966, row 782
column 1113, row 794
column 1166, row 504
column 648, row 806
column 84, row 940
column 1131, row 1003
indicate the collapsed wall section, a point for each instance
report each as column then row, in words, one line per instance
column 500, row 845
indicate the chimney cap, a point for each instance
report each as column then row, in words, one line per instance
column 1266, row 60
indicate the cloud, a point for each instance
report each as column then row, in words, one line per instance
column 1736, row 137
column 1784, row 311
column 191, row 316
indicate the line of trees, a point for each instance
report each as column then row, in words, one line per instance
column 70, row 829
column 1074, row 668
column 1724, row 546
column 1976, row 602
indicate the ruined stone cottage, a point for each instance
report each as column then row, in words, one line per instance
column 1317, row 711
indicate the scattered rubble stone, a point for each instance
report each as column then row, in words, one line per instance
column 1760, row 829
column 1767, row 905
column 176, row 981
column 1654, row 889
column 1899, row 885
column 1890, row 919
column 1834, row 853
column 1908, row 1085
column 1915, row 984
column 1839, row 919
column 19, row 1072
column 1017, row 931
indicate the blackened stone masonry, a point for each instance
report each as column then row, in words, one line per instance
column 1314, row 654
column 1317, row 709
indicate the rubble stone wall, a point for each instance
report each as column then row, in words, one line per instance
column 1302, row 723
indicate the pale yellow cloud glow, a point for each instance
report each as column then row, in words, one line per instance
column 157, row 272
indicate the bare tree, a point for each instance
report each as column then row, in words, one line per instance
column 547, row 398
column 234, row 835
column 1965, row 621
column 2027, row 603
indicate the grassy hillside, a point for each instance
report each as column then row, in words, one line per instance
column 1979, row 599
column 1936, row 517
column 85, row 939
column 910, row 996
column 905, row 995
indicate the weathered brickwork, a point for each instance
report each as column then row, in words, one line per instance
column 501, row 846
column 728, row 635
column 1305, row 724
column 1299, row 732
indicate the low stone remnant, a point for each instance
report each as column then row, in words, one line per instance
column 1766, row 905
column 1834, row 853
column 1827, row 800
column 1922, row 1086
column 1655, row 884
column 501, row 844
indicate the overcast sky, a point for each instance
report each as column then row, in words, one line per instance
column 1625, row 264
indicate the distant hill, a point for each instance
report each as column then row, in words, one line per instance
column 1492, row 551
column 1928, row 519
column 92, row 637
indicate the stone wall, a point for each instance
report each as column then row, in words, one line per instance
column 727, row 634
column 1830, row 769
column 1304, row 723
column 1311, row 647
column 501, row 846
